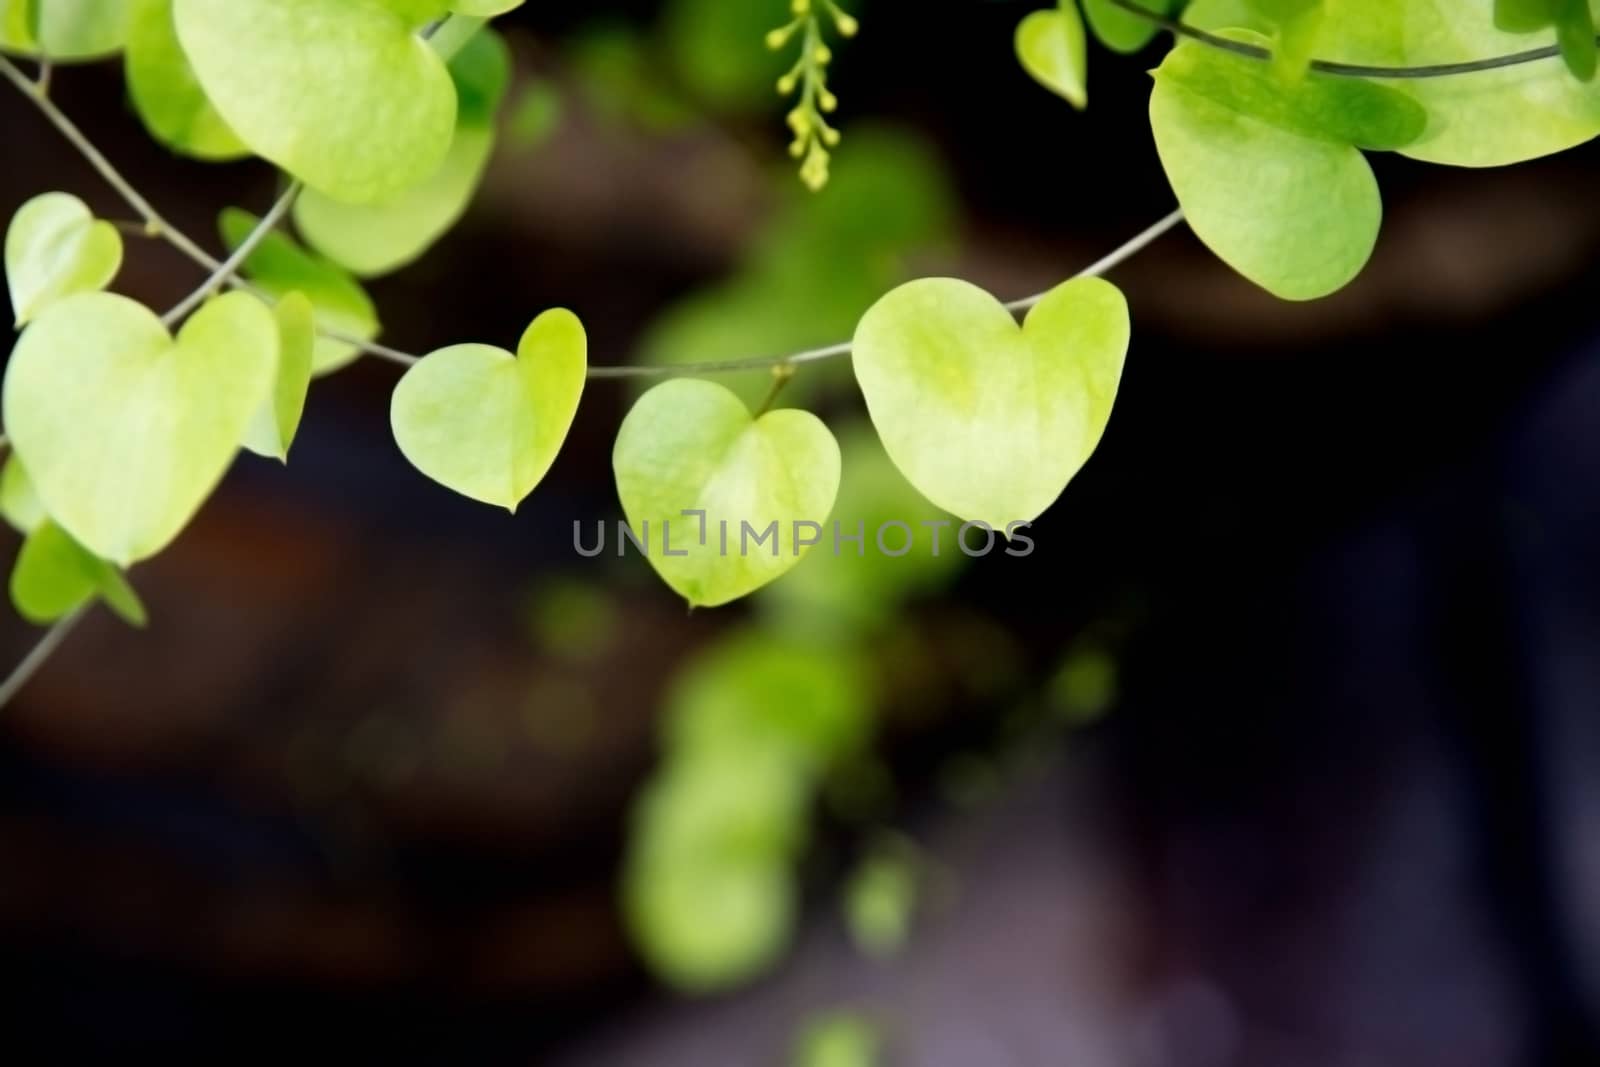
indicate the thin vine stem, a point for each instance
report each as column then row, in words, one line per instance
column 229, row 267
column 1347, row 70
column 23, row 672
column 1123, row 252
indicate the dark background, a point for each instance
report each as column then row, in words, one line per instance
column 1343, row 813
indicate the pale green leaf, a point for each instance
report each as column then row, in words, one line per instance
column 880, row 900
column 752, row 691
column 990, row 421
column 165, row 91
column 63, row 30
column 1052, row 49
column 1288, row 204
column 55, row 576
column 487, row 8
column 486, row 423
column 1485, row 119
column 54, row 248
column 838, row 1039
column 706, row 926
column 374, row 239
column 125, row 431
column 279, row 267
column 692, row 445
column 340, row 94
column 272, row 429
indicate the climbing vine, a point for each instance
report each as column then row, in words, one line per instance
column 382, row 115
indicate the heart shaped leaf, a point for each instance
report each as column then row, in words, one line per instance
column 374, row 239
column 55, row 247
column 272, row 430
column 341, row 95
column 55, row 576
column 990, row 421
column 280, row 267
column 692, row 446
column 1052, row 49
column 64, row 30
column 488, row 424
column 125, row 431
column 165, row 91
column 1268, row 175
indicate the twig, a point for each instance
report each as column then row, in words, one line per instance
column 23, row 673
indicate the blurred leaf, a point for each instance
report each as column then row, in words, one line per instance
column 838, row 1039
column 867, row 588
column 573, row 619
column 717, row 51
column 535, row 116
column 1085, row 686
column 755, row 691
column 880, row 899
column 816, row 266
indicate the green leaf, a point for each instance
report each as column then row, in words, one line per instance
column 488, row 424
column 340, row 94
column 708, row 889
column 868, row 588
column 1267, row 174
column 374, row 239
column 54, row 248
column 989, row 421
column 125, row 431
column 692, row 445
column 1123, row 31
column 1052, row 49
column 63, row 30
column 753, row 691
column 279, row 267
column 19, row 503
column 272, row 429
column 488, row 8
column 1485, row 119
column 165, row 91
column 1347, row 111
column 708, row 926
column 1571, row 19
column 838, row 1039
column 55, row 576
column 880, row 900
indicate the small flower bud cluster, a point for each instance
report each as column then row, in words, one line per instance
column 813, row 136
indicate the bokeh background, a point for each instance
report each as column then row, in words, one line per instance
column 1280, row 749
